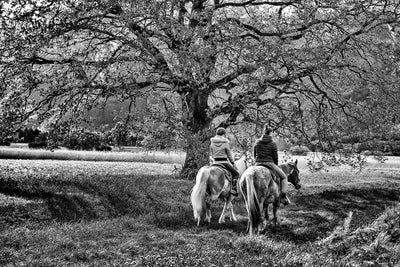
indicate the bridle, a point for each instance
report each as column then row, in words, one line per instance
column 296, row 171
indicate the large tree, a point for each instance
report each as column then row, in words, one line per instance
column 290, row 63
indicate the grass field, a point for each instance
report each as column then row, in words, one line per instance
column 23, row 152
column 83, row 213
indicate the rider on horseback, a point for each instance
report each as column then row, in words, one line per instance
column 266, row 154
column 221, row 153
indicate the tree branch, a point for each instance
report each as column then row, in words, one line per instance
column 254, row 3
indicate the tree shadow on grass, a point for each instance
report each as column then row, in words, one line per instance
column 59, row 206
column 312, row 217
column 75, row 200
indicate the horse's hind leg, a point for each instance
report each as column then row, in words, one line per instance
column 263, row 221
column 232, row 214
column 222, row 217
column 208, row 213
column 266, row 205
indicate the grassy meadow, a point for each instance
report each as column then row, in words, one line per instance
column 97, row 213
column 114, row 156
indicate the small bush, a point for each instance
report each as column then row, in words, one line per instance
column 350, row 139
column 396, row 151
column 299, row 150
column 363, row 147
column 5, row 143
column 82, row 140
column 367, row 152
column 42, row 144
column 27, row 135
column 103, row 147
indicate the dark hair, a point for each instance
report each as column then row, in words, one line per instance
column 221, row 131
column 267, row 129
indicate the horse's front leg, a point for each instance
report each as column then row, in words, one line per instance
column 275, row 212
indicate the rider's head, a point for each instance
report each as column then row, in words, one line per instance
column 267, row 129
column 221, row 131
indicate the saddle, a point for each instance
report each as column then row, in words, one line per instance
column 227, row 174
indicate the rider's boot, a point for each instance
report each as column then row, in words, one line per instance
column 284, row 199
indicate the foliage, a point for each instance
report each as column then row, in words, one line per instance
column 299, row 150
column 27, row 135
column 37, row 145
column 357, row 161
column 308, row 68
column 118, row 135
column 79, row 139
column 375, row 244
column 373, row 147
column 11, row 111
column 40, row 141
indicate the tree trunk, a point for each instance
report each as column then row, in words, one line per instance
column 197, row 133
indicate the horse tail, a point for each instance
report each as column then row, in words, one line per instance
column 198, row 196
column 253, row 207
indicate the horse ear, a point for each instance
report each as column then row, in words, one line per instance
column 295, row 162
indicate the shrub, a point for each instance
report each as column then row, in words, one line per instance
column 350, row 139
column 363, row 147
column 41, row 144
column 28, row 135
column 118, row 136
column 5, row 143
column 82, row 140
column 367, row 152
column 103, row 147
column 283, row 145
column 395, row 147
column 299, row 150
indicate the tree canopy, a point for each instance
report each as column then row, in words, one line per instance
column 314, row 70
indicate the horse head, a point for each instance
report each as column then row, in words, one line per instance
column 293, row 175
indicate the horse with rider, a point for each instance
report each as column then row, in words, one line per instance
column 219, row 180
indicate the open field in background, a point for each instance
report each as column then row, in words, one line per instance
column 126, row 214
column 64, row 154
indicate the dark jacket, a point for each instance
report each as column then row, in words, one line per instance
column 265, row 150
column 220, row 149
